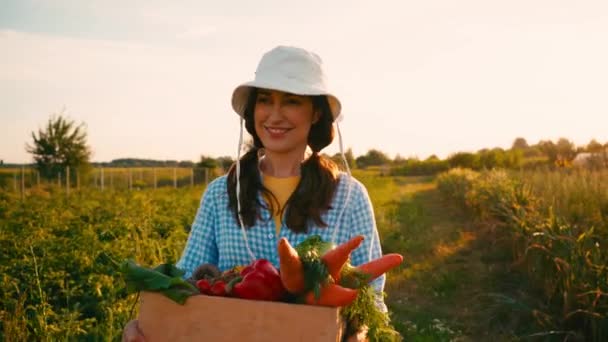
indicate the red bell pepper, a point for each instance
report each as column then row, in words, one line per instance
column 258, row 281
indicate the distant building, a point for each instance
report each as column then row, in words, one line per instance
column 582, row 159
column 591, row 159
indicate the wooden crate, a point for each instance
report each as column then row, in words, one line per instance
column 221, row 319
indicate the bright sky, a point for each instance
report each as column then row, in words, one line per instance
column 153, row 79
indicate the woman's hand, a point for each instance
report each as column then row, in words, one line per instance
column 131, row 333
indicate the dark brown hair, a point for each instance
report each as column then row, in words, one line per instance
column 318, row 175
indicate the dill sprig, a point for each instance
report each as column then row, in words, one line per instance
column 364, row 312
column 316, row 273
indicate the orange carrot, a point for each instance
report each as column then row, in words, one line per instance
column 335, row 259
column 332, row 295
column 291, row 269
column 378, row 267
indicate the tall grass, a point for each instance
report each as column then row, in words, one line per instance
column 580, row 196
column 557, row 223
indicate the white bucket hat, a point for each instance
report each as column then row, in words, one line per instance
column 289, row 69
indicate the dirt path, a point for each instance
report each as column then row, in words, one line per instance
column 453, row 276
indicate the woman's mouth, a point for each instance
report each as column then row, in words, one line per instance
column 277, row 132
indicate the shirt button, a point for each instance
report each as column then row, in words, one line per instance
column 270, row 236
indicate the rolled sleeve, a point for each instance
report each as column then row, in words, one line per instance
column 201, row 246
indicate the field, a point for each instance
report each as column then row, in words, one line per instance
column 469, row 273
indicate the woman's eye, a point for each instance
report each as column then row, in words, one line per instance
column 293, row 101
column 262, row 99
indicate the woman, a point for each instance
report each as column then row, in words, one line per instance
column 277, row 188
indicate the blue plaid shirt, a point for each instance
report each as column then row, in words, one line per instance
column 216, row 236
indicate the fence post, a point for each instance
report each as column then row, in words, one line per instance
column 22, row 183
column 67, row 181
column 37, row 178
column 206, row 176
column 130, row 179
column 192, row 177
column 102, row 178
column 77, row 180
column 15, row 179
column 175, row 177
column 154, row 171
column 59, row 179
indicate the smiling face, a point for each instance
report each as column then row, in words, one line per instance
column 283, row 121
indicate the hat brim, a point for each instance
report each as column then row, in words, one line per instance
column 240, row 95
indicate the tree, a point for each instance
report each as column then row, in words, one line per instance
column 225, row 162
column 399, row 159
column 60, row 144
column 560, row 153
column 594, row 146
column 514, row 159
column 548, row 148
column 372, row 158
column 565, row 149
column 520, row 143
column 490, row 159
column 348, row 155
column 185, row 163
column 463, row 160
column 207, row 162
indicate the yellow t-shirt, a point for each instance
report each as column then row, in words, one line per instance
column 281, row 188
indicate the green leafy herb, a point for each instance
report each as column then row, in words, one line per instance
column 314, row 244
column 166, row 279
column 316, row 273
column 352, row 279
column 364, row 312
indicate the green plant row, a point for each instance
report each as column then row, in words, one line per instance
column 58, row 272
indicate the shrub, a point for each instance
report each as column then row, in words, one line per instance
column 456, row 183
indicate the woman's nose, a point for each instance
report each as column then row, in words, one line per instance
column 275, row 109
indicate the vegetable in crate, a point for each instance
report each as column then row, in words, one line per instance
column 316, row 274
column 258, row 281
column 324, row 276
column 291, row 268
column 204, row 286
column 210, row 281
column 332, row 295
column 166, row 279
column 336, row 258
column 356, row 277
column 317, row 271
column 205, row 271
column 313, row 264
